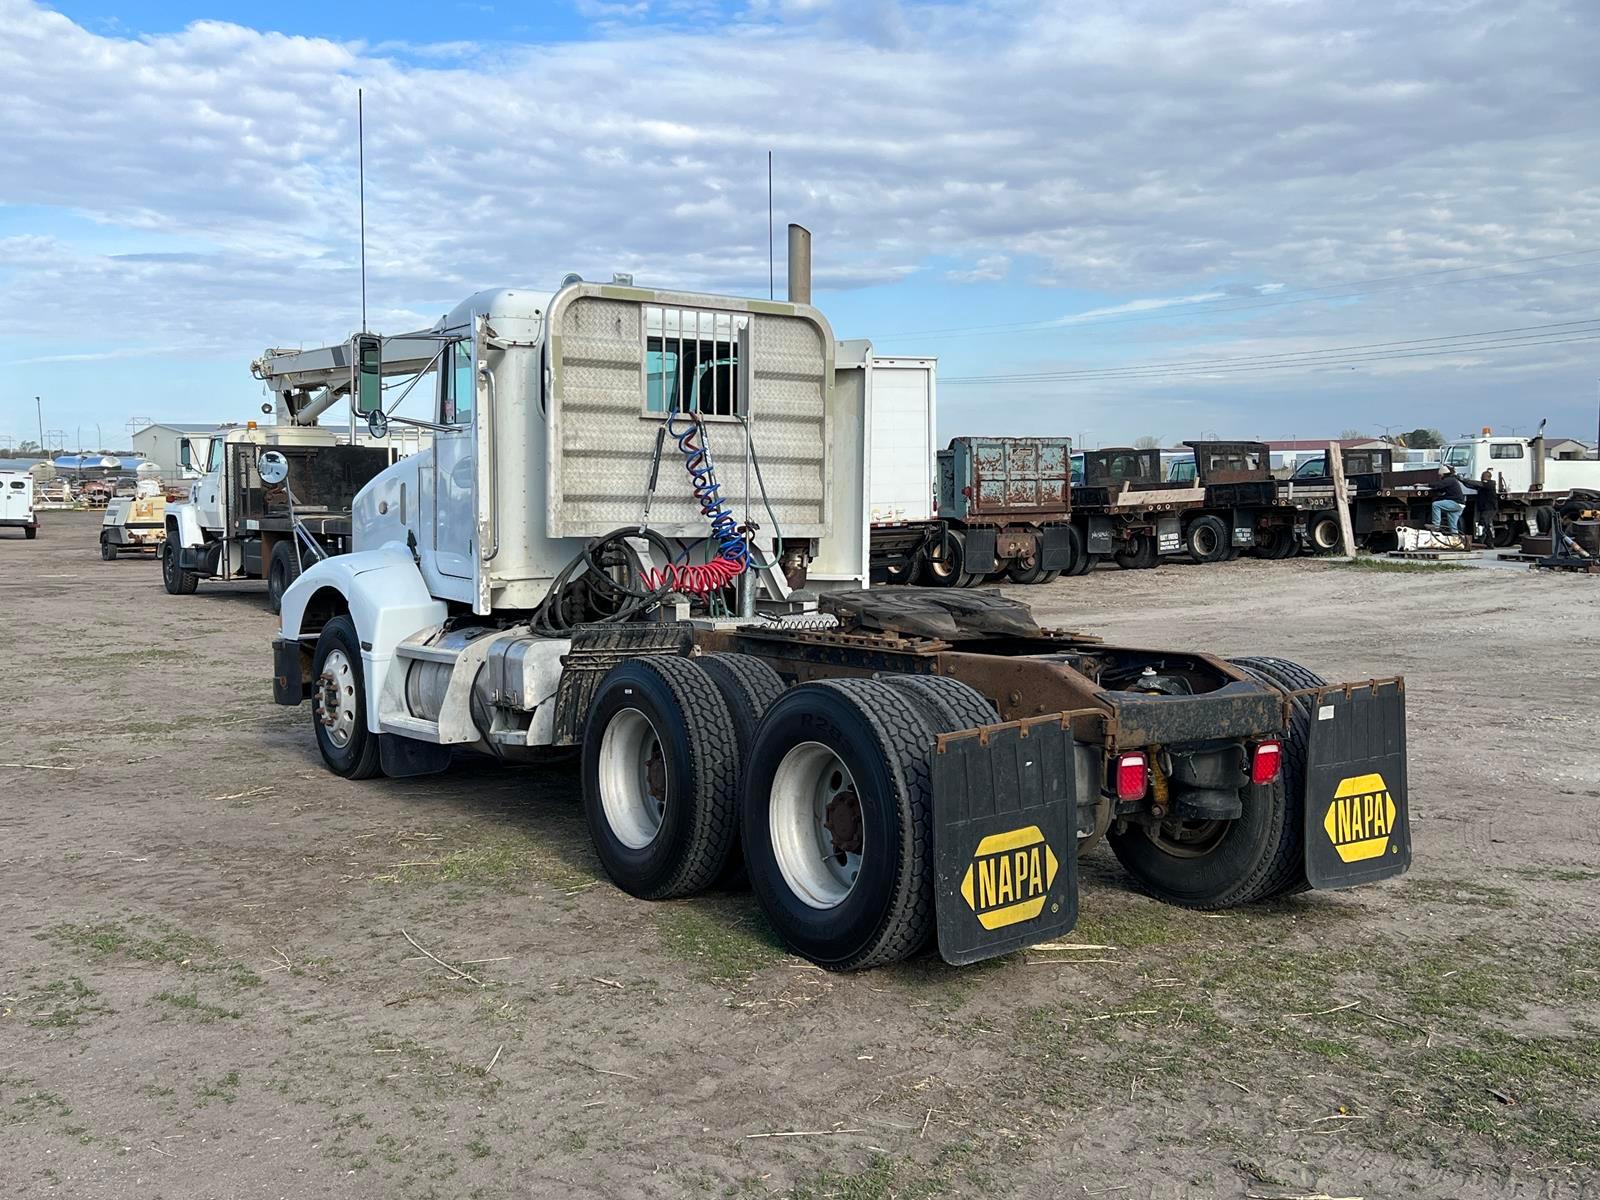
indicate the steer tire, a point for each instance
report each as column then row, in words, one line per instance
column 174, row 578
column 358, row 757
column 881, row 737
column 108, row 551
column 695, row 820
column 904, row 571
column 1206, row 540
column 944, row 561
column 283, row 570
column 1322, row 533
column 947, row 704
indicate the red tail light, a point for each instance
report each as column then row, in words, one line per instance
column 1133, row 775
column 1265, row 761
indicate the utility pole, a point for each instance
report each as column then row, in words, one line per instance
column 38, row 406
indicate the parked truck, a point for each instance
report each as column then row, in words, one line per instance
column 16, row 503
column 1125, row 509
column 1529, row 483
column 895, row 767
column 273, row 499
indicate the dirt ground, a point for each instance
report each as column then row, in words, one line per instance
column 213, row 980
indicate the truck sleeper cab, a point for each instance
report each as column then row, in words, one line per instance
column 900, row 766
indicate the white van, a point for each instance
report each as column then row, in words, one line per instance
column 16, row 503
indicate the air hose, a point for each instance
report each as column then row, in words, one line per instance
column 733, row 559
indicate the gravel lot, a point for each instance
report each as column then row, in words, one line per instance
column 207, row 988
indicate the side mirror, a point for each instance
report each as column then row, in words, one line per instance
column 185, row 458
column 273, row 468
column 378, row 423
column 369, row 373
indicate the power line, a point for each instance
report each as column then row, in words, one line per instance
column 1324, row 292
column 1241, row 358
column 1549, row 333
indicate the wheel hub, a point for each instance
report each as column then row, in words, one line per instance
column 842, row 820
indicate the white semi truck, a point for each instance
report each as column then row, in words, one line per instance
column 641, row 530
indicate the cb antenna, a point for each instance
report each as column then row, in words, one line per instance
column 361, row 184
column 771, row 294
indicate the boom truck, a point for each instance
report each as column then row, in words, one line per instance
column 243, row 518
column 582, row 560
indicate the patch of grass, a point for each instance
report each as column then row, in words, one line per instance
column 478, row 1147
column 722, row 943
column 1396, row 565
column 64, row 1004
column 872, row 1182
column 1465, row 892
column 191, row 1007
column 225, row 1089
column 1557, row 874
column 142, row 939
column 499, row 860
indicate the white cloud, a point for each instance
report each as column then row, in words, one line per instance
column 1172, row 151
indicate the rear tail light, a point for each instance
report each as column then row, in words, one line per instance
column 1133, row 775
column 1264, row 763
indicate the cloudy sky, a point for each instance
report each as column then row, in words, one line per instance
column 1165, row 217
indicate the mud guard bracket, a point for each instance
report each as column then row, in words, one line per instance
column 1358, row 826
column 1005, row 838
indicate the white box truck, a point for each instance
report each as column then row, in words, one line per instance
column 16, row 503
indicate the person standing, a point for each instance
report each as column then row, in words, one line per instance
column 1486, row 507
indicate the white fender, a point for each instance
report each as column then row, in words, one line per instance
column 388, row 602
column 183, row 514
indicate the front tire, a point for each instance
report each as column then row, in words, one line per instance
column 108, row 552
column 660, row 778
column 339, row 703
column 282, row 570
column 837, row 816
column 174, row 578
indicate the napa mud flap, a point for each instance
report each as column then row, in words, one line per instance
column 1358, row 827
column 1005, row 839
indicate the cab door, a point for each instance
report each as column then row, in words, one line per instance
column 455, row 466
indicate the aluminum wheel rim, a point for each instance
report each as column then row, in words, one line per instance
column 818, row 869
column 938, row 562
column 633, row 783
column 336, row 698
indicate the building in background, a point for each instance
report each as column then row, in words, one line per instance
column 163, row 443
column 1290, row 454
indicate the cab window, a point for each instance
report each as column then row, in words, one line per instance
column 1458, row 456
column 456, row 386
column 1312, row 468
column 214, row 458
column 1505, row 450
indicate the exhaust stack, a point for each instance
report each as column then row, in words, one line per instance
column 799, row 265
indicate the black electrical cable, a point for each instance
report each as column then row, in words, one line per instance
column 593, row 565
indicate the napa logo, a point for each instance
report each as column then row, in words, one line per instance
column 1009, row 877
column 1360, row 818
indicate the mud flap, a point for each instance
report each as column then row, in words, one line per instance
column 1358, row 826
column 1005, row 840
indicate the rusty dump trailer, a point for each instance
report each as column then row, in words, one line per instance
column 1004, row 507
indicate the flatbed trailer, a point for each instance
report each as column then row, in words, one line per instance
column 893, row 768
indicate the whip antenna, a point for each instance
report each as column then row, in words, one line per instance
column 361, row 184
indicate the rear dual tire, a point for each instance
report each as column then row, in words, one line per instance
column 1139, row 553
column 1257, row 856
column 1207, row 540
column 837, row 814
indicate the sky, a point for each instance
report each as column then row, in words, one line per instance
column 1108, row 220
